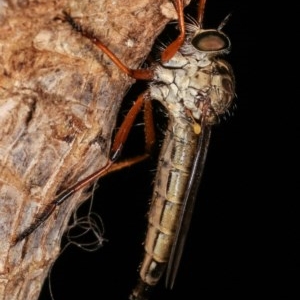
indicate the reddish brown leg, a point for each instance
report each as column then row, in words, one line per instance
column 149, row 126
column 126, row 163
column 201, row 7
column 170, row 51
column 143, row 74
column 125, row 128
column 119, row 141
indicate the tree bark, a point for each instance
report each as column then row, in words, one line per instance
column 59, row 99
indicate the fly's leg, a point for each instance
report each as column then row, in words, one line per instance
column 116, row 149
column 171, row 50
column 168, row 53
column 126, row 126
column 58, row 200
column 201, row 7
column 143, row 74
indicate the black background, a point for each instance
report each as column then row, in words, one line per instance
column 229, row 250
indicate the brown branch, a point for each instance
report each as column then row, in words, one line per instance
column 59, row 99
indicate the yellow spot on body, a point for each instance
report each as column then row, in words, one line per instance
column 197, row 128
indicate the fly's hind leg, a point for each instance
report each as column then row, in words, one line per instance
column 110, row 166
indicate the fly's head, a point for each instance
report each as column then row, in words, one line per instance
column 214, row 79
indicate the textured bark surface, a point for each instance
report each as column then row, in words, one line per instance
column 59, row 99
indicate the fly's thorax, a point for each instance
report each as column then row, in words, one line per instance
column 195, row 83
column 195, row 89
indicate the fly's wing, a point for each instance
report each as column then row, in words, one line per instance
column 188, row 206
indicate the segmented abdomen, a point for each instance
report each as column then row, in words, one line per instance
column 175, row 162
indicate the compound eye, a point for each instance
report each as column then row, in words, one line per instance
column 210, row 41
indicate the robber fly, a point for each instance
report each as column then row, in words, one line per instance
column 196, row 87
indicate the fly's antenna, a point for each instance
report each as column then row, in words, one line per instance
column 224, row 22
column 201, row 8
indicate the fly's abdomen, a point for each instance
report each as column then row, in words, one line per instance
column 170, row 185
